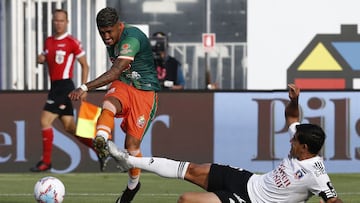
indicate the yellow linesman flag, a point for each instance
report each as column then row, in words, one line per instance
column 86, row 123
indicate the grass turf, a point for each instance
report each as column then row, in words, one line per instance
column 106, row 187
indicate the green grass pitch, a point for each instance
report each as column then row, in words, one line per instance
column 106, row 187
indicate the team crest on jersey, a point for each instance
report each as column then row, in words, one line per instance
column 299, row 174
column 125, row 49
column 141, row 121
column 60, row 56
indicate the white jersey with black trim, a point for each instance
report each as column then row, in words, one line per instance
column 292, row 181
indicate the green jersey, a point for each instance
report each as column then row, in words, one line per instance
column 134, row 45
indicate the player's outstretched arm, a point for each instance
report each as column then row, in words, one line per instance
column 292, row 108
column 109, row 76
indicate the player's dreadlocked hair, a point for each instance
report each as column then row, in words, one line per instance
column 107, row 17
column 312, row 135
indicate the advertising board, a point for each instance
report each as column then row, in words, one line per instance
column 243, row 129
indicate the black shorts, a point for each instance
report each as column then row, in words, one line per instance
column 229, row 183
column 58, row 101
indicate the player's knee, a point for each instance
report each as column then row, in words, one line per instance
column 112, row 105
column 183, row 198
column 194, row 170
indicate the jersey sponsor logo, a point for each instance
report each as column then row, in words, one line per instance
column 280, row 177
column 60, row 56
column 125, row 49
column 141, row 121
column 61, row 45
column 133, row 75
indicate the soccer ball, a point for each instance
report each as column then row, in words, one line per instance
column 49, row 190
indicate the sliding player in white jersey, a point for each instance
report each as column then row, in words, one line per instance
column 298, row 177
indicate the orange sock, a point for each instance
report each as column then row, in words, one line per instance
column 106, row 122
column 134, row 173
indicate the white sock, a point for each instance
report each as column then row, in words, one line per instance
column 132, row 182
column 103, row 133
column 167, row 168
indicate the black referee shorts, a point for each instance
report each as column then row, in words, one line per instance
column 58, row 101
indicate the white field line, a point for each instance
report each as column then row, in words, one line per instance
column 93, row 194
column 141, row 194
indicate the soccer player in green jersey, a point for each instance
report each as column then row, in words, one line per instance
column 132, row 94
